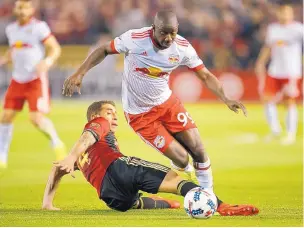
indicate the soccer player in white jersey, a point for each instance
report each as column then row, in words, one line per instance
column 283, row 46
column 28, row 39
column 155, row 114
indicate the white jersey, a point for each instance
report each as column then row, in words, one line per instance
column 147, row 68
column 286, row 43
column 26, row 42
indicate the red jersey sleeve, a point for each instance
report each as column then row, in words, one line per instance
column 99, row 127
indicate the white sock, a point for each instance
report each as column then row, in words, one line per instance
column 6, row 132
column 292, row 120
column 272, row 118
column 188, row 168
column 47, row 127
column 203, row 173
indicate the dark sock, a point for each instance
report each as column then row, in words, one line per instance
column 149, row 203
column 219, row 202
column 185, row 186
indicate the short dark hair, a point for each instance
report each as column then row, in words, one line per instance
column 96, row 106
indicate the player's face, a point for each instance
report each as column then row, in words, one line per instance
column 165, row 35
column 285, row 14
column 108, row 112
column 23, row 10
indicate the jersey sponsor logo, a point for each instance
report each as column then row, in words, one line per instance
column 19, row 44
column 152, row 72
column 144, row 53
column 159, row 141
column 281, row 43
column 173, row 59
column 94, row 125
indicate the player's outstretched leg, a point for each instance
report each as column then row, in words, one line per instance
column 291, row 123
column 45, row 125
column 6, row 132
column 156, row 202
column 173, row 183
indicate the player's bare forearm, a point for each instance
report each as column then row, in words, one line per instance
column 51, row 186
column 53, row 51
column 96, row 57
column 85, row 141
column 212, row 83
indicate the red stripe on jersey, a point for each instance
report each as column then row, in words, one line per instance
column 177, row 39
column 197, row 68
column 140, row 33
column 139, row 37
column 182, row 42
column 113, row 47
column 146, row 34
column 45, row 39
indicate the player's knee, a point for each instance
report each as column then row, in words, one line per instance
column 35, row 120
column 290, row 102
column 7, row 117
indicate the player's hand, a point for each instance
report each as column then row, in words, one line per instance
column 50, row 207
column 71, row 84
column 235, row 106
column 66, row 165
column 42, row 67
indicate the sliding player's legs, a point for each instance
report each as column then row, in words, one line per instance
column 173, row 183
column 126, row 176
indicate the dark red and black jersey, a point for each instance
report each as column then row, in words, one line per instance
column 96, row 159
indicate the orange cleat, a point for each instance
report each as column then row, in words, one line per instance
column 226, row 209
column 173, row 203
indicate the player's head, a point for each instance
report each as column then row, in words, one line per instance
column 285, row 13
column 23, row 10
column 165, row 28
column 105, row 109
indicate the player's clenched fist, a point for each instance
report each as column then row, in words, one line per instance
column 71, row 84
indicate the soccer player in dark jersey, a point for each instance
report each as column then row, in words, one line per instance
column 118, row 178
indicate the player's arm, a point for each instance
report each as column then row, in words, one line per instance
column 86, row 140
column 51, row 187
column 64, row 167
column 216, row 87
column 96, row 57
column 6, row 58
column 53, row 51
column 120, row 44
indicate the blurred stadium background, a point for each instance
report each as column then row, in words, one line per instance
column 227, row 35
column 80, row 25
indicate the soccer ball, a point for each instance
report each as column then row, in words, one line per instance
column 200, row 203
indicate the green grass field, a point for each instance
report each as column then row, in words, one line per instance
column 245, row 170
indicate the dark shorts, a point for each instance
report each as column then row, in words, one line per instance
column 125, row 177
